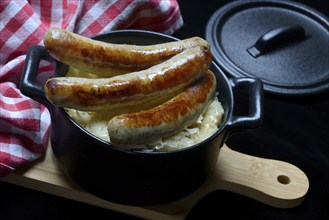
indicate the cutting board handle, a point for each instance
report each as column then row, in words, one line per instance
column 276, row 183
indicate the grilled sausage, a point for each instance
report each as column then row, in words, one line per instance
column 107, row 59
column 166, row 119
column 132, row 91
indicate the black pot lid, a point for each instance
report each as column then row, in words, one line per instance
column 284, row 43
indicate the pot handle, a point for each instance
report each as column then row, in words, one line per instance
column 28, row 84
column 253, row 88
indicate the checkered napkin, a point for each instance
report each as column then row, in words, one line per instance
column 24, row 123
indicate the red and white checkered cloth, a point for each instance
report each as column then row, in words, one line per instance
column 24, row 123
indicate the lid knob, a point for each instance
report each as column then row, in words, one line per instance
column 275, row 38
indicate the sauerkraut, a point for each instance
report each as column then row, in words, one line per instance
column 206, row 125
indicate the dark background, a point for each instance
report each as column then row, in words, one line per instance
column 295, row 130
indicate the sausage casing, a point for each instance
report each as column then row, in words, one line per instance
column 166, row 119
column 132, row 91
column 108, row 59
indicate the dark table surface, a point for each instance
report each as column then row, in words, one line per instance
column 295, row 130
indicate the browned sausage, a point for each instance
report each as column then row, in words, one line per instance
column 107, row 59
column 166, row 119
column 132, row 91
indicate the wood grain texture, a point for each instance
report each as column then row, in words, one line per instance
column 272, row 182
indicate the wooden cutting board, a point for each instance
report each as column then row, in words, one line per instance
column 272, row 182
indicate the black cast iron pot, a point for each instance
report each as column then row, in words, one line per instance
column 132, row 177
